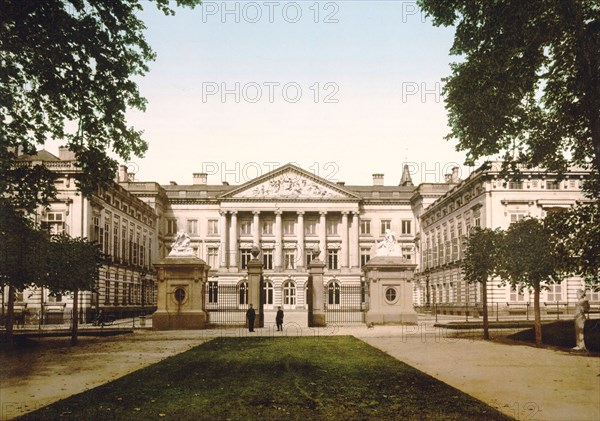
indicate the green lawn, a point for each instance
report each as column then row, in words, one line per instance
column 304, row 378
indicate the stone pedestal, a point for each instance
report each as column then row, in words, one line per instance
column 316, row 307
column 181, row 294
column 390, row 290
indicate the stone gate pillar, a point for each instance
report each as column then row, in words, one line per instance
column 255, row 295
column 316, row 307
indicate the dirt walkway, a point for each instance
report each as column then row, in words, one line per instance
column 524, row 382
column 33, row 378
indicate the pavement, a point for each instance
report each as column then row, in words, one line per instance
column 521, row 381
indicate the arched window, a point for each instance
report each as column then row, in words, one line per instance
column 268, row 291
column 289, row 293
column 243, row 292
column 333, row 293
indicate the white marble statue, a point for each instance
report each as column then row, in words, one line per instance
column 583, row 306
column 388, row 246
column 181, row 246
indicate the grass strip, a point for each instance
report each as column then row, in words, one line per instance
column 302, row 378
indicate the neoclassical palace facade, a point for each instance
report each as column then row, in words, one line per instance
column 291, row 215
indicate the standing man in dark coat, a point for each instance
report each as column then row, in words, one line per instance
column 250, row 315
column 279, row 319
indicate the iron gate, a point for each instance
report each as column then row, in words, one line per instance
column 345, row 304
column 227, row 304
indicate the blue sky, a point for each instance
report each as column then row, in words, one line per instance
column 345, row 93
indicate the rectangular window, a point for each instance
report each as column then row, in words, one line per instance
column 386, row 224
column 406, row 227
column 516, row 296
column 515, row 185
column 115, row 241
column 552, row 185
column 245, row 227
column 310, row 227
column 310, row 256
column 267, row 227
column 106, row 238
column 514, row 217
column 213, row 292
column 289, row 259
column 365, row 255
column 288, row 227
column 171, row 226
column 192, row 226
column 213, row 227
column 212, row 257
column 107, row 292
column 365, row 227
column 332, row 259
column 267, row 259
column 124, row 256
column 53, row 223
column 332, row 227
column 554, row 292
column 245, row 255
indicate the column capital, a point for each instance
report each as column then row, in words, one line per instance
column 322, row 212
column 300, row 212
column 223, row 212
column 346, row 213
column 233, row 212
column 278, row 212
column 355, row 213
column 255, row 212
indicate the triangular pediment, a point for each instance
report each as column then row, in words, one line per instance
column 289, row 182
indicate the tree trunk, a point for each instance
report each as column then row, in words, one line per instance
column 10, row 317
column 75, row 317
column 486, row 327
column 537, row 315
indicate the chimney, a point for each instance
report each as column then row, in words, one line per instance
column 455, row 174
column 173, row 183
column 200, row 178
column 448, row 178
column 65, row 154
column 341, row 183
column 123, row 177
column 378, row 179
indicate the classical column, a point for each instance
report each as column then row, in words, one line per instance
column 233, row 240
column 300, row 258
column 278, row 258
column 323, row 235
column 355, row 241
column 256, row 228
column 223, row 244
column 344, row 258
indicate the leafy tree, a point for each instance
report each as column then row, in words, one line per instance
column 577, row 233
column 527, row 87
column 22, row 258
column 73, row 265
column 67, row 71
column 480, row 263
column 529, row 79
column 531, row 259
